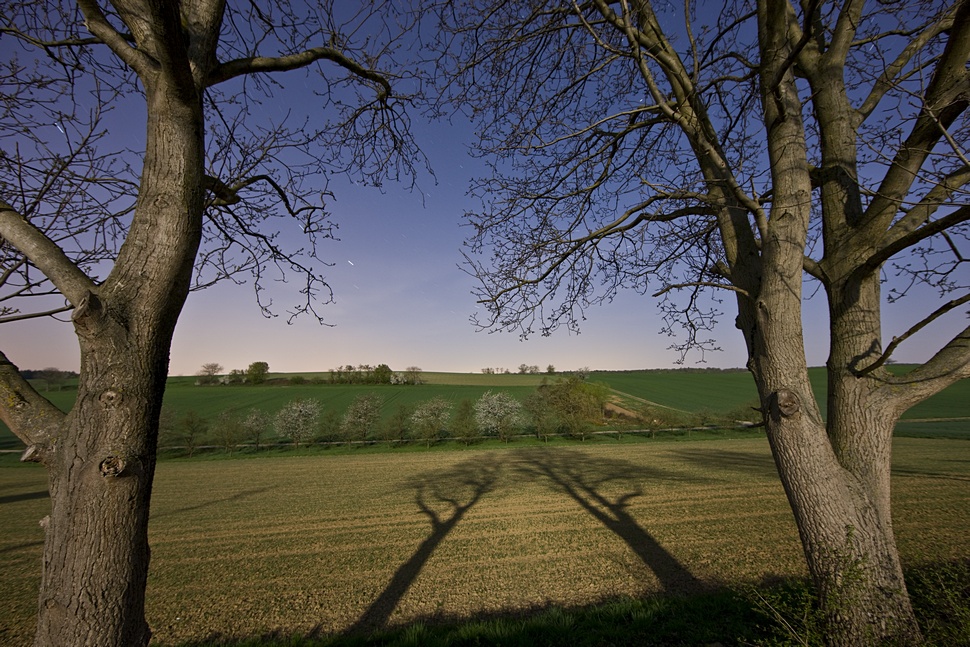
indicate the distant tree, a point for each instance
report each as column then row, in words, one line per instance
column 541, row 413
column 297, row 380
column 398, row 426
column 298, row 420
column 412, row 375
column 54, row 377
column 191, row 431
column 167, row 427
column 577, row 404
column 382, row 374
column 657, row 419
column 236, row 376
column 256, row 373
column 362, row 416
column 498, row 414
column 523, row 368
column 256, row 425
column 463, row 425
column 209, row 373
column 430, row 419
column 550, row 370
column 330, row 426
column 228, row 430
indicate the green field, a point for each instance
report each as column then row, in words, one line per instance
column 723, row 390
column 684, row 390
column 315, row 545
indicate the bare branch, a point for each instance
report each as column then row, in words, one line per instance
column 891, row 348
column 45, row 254
column 703, row 284
column 889, row 76
column 98, row 25
column 29, row 415
column 35, row 315
column 263, row 64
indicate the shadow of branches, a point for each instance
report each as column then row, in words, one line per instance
column 586, row 479
column 444, row 498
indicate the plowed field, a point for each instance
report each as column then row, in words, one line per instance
column 328, row 543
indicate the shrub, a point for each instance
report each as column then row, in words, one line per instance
column 463, row 426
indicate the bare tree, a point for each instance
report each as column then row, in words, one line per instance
column 693, row 155
column 209, row 373
column 255, row 425
column 228, row 430
column 149, row 148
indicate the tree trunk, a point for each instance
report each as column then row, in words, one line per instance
column 101, row 461
column 835, row 474
column 848, row 541
column 95, row 564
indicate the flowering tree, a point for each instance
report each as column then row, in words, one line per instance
column 430, row 419
column 298, row 420
column 362, row 416
column 498, row 414
column 255, row 425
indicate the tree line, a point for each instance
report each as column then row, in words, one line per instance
column 211, row 373
column 568, row 407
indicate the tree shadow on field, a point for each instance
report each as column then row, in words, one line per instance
column 748, row 463
column 444, row 498
column 205, row 504
column 585, row 479
column 26, row 496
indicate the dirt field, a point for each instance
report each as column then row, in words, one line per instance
column 329, row 543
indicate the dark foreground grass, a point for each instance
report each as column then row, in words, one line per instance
column 775, row 614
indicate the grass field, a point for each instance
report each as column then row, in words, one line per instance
column 693, row 391
column 724, row 390
column 312, row 545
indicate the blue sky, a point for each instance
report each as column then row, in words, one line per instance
column 402, row 300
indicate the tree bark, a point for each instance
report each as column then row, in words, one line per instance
column 835, row 473
column 102, row 460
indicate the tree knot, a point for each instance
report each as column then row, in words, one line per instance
column 112, row 466
column 110, row 398
column 34, row 454
column 786, row 403
column 89, row 307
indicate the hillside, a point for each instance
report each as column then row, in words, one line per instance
column 694, row 391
